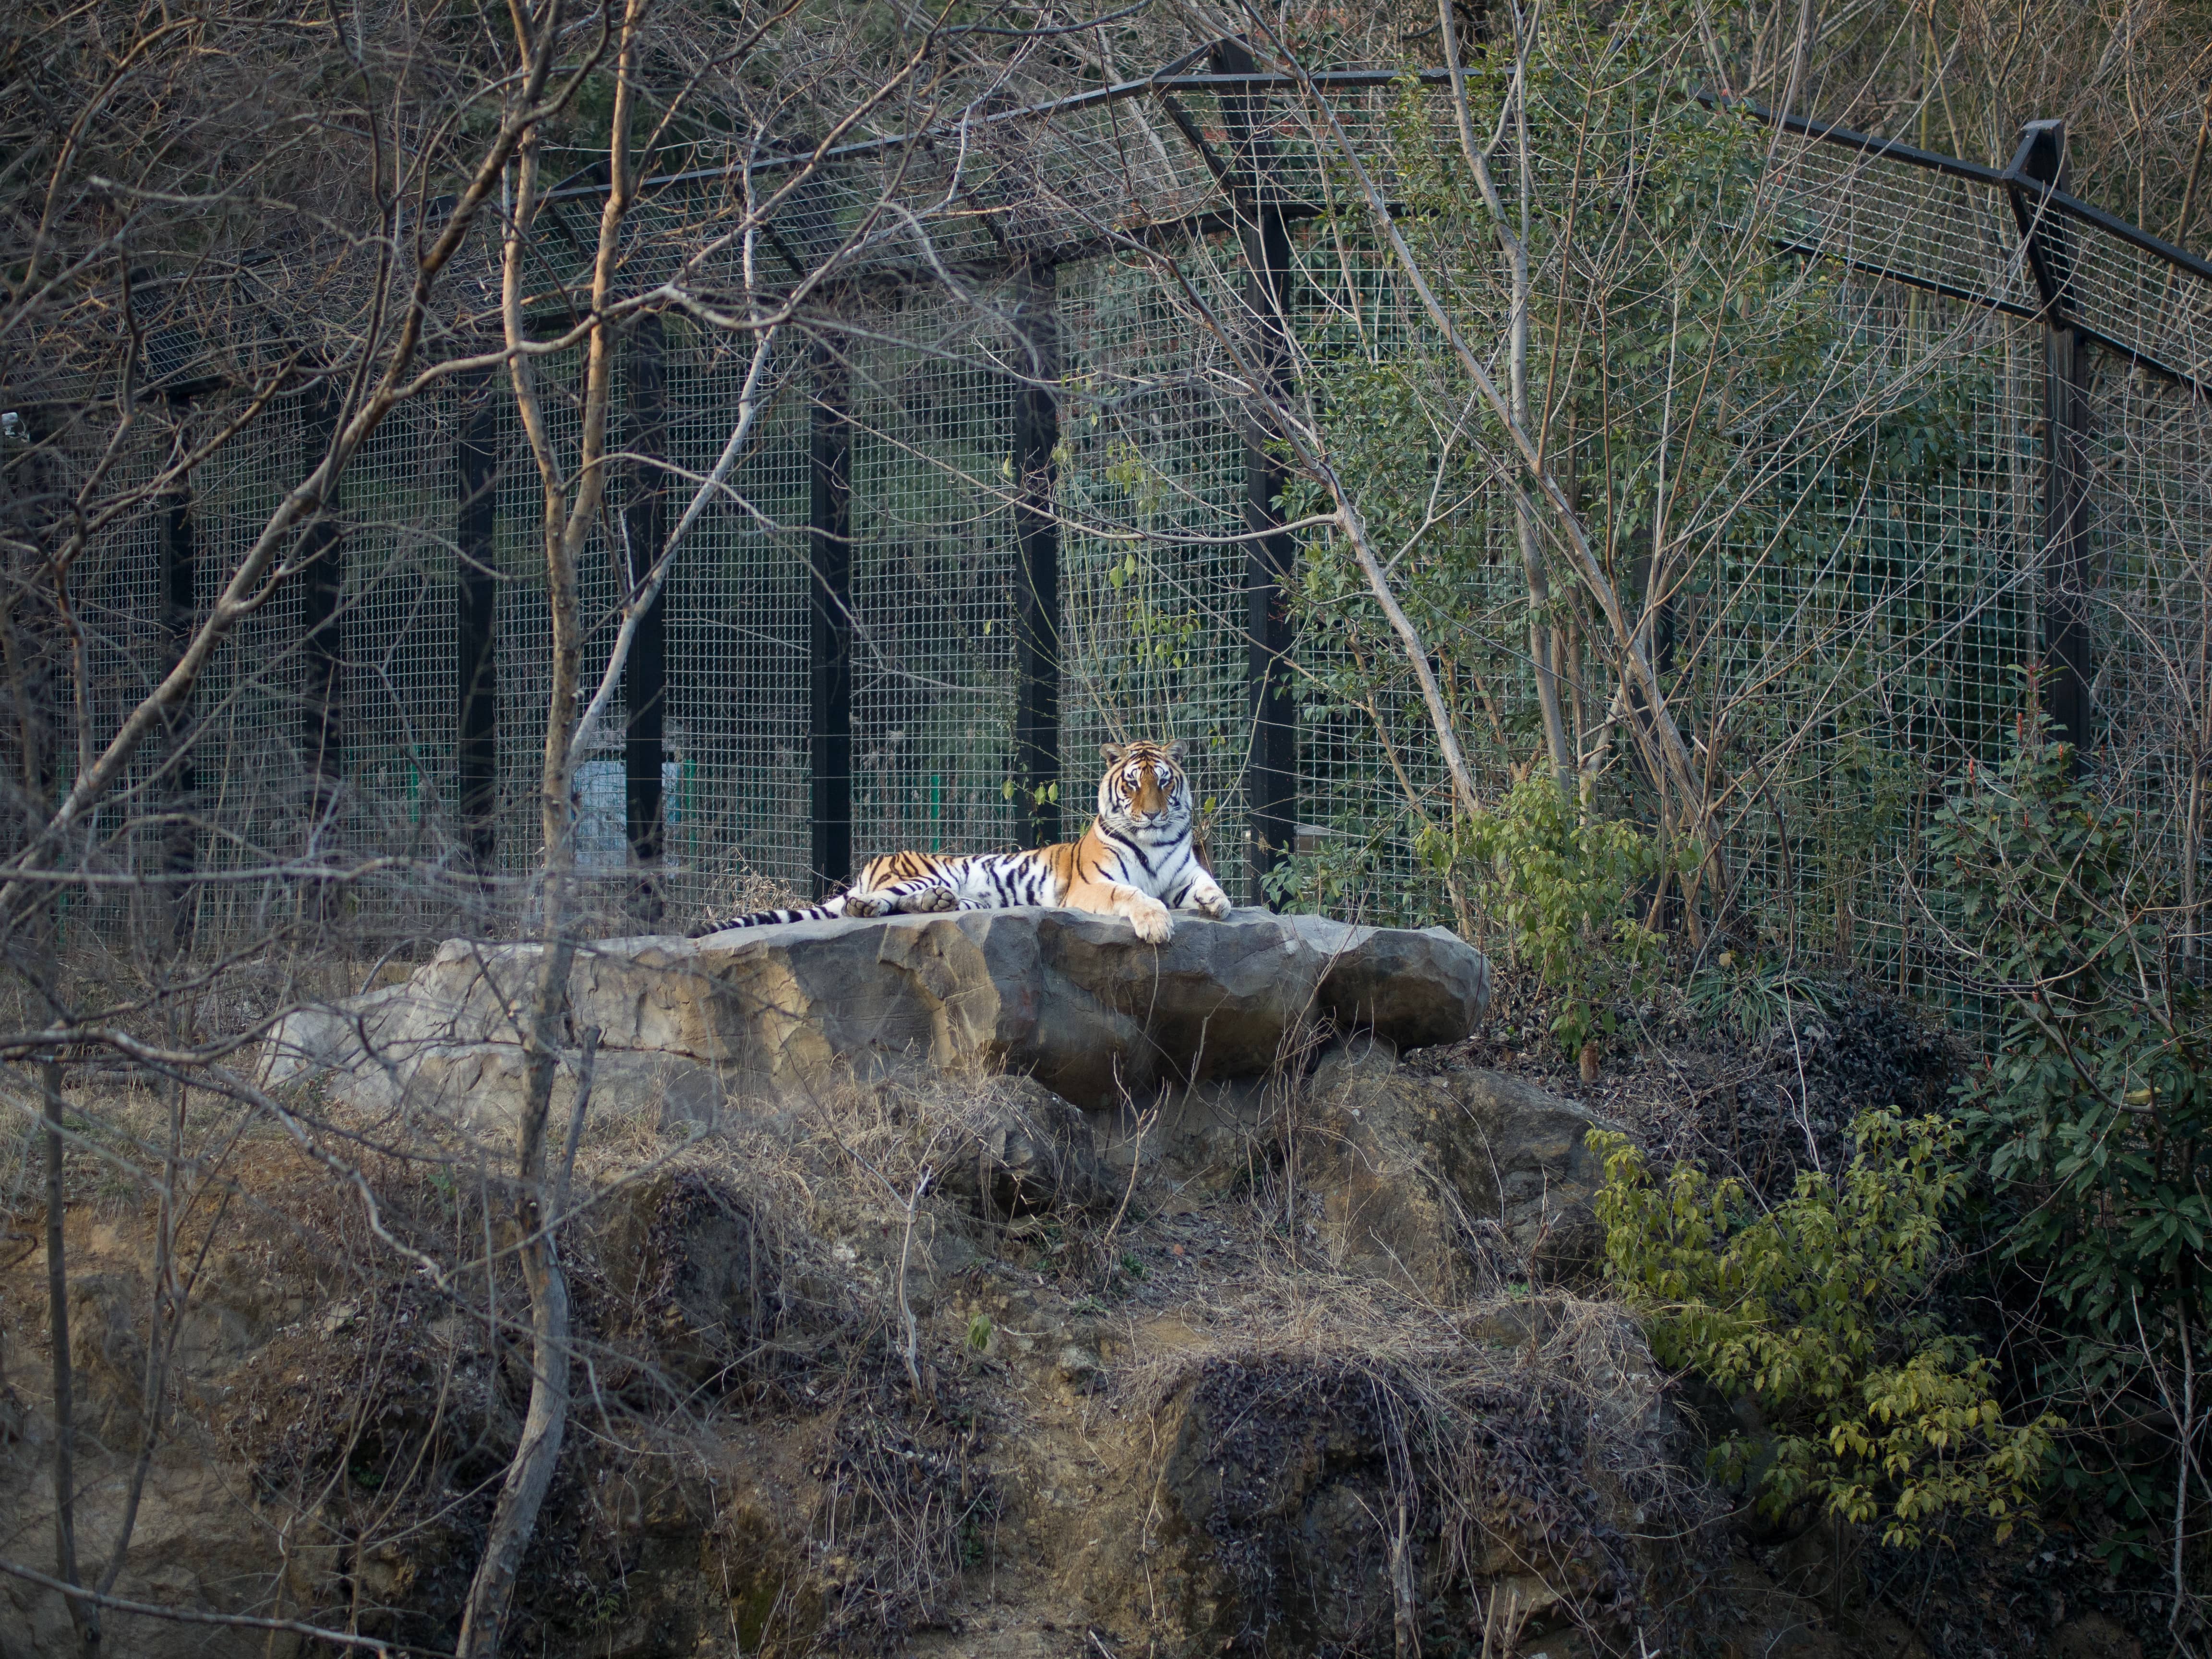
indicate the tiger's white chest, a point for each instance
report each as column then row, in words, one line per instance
column 1157, row 869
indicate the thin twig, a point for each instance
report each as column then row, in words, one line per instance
column 196, row 1616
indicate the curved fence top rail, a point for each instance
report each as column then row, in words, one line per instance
column 1178, row 151
column 2008, row 238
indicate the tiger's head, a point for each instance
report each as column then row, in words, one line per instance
column 1145, row 791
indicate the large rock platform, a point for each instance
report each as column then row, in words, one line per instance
column 1070, row 998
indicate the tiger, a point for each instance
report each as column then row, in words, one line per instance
column 1137, row 860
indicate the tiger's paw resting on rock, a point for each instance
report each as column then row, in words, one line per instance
column 928, row 901
column 1151, row 919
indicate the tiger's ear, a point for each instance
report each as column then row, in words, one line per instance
column 1110, row 751
column 1175, row 750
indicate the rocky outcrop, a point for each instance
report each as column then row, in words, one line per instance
column 1069, row 998
column 1437, row 1180
column 923, row 1373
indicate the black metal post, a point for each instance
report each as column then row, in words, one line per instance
column 180, row 782
column 322, row 629
column 1036, row 593
column 830, row 548
column 1271, row 790
column 645, row 672
column 2040, row 161
column 476, row 744
column 32, row 496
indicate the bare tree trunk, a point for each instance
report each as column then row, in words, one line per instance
column 1514, row 241
column 84, row 1615
column 567, row 524
column 530, row 1472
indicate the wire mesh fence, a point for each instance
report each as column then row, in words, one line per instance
column 250, row 776
column 1152, row 624
column 1843, row 640
column 524, row 676
column 2150, row 493
column 932, row 576
column 737, row 751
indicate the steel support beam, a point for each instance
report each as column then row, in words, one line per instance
column 1036, row 592
column 829, row 548
column 2064, row 576
column 1271, row 777
column 645, row 673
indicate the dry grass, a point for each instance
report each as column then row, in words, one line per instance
column 737, row 890
column 1526, row 1440
column 897, row 1321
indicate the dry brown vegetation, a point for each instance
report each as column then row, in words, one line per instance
column 754, row 1456
column 819, row 1386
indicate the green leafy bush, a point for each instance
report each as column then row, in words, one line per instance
column 2094, row 1116
column 1815, row 1312
column 1562, row 881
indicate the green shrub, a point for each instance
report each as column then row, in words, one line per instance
column 1815, row 1313
column 2094, row 1116
column 1562, row 881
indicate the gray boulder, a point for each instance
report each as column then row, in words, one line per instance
column 1069, row 998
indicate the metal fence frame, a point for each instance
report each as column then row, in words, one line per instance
column 2092, row 281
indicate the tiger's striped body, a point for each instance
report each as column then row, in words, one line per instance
column 1137, row 860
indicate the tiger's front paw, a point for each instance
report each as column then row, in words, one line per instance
column 1152, row 922
column 1213, row 902
column 930, row 901
column 860, row 904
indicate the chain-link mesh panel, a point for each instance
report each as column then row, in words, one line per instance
column 1152, row 477
column 116, row 602
column 1956, row 235
column 1861, row 633
column 1372, row 776
column 933, row 573
column 252, row 794
column 737, row 621
column 400, row 689
column 524, row 629
column 2144, row 592
column 1855, row 620
column 2140, row 301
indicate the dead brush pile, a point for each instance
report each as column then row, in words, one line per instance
column 846, row 1371
column 743, row 1283
column 1755, row 1075
column 1365, row 1465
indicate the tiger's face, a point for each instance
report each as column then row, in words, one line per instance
column 1145, row 791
